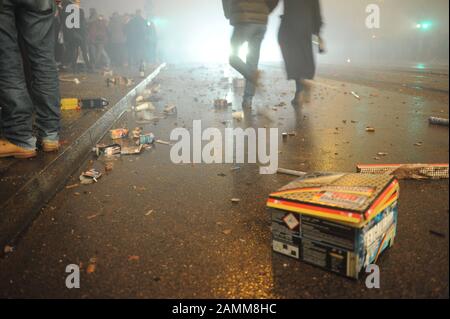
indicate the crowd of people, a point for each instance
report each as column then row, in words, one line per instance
column 123, row 39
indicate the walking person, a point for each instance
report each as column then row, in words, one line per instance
column 301, row 21
column 33, row 22
column 249, row 19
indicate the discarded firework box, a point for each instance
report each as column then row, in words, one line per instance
column 406, row 171
column 119, row 133
column 339, row 222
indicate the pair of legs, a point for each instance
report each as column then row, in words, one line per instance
column 33, row 22
column 99, row 57
column 74, row 45
column 253, row 35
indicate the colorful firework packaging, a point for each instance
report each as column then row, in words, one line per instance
column 336, row 221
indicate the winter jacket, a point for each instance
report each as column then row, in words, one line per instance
column 248, row 11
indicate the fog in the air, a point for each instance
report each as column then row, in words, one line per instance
column 196, row 30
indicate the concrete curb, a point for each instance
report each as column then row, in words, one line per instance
column 20, row 210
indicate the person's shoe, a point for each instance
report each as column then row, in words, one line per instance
column 49, row 146
column 8, row 149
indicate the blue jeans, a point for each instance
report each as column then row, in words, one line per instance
column 253, row 34
column 31, row 21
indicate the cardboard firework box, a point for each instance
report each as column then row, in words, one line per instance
column 339, row 222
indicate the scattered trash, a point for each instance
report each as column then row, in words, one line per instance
column 107, row 150
column 136, row 133
column 382, row 154
column 8, row 249
column 437, row 234
column 290, row 172
column 356, row 95
column 235, row 200
column 119, row 133
column 438, row 121
column 407, row 171
column 238, row 116
column 69, row 104
column 162, row 142
column 140, row 99
column 92, row 266
column 74, row 80
column 227, row 232
column 170, row 109
column 133, row 258
column 370, row 129
column 132, row 150
column 90, row 177
column 149, row 212
column 222, row 103
column 72, row 186
column 418, row 144
column 108, row 73
column 146, row 139
column 148, row 106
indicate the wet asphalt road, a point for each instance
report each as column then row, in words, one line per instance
column 153, row 229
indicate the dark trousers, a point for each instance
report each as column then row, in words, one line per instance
column 74, row 46
column 32, row 21
column 253, row 35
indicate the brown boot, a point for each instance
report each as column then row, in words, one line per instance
column 50, row 146
column 8, row 149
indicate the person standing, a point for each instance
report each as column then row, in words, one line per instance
column 98, row 38
column 117, row 39
column 136, row 30
column 301, row 21
column 75, row 38
column 33, row 22
column 249, row 19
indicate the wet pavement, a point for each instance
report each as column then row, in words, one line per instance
column 153, row 229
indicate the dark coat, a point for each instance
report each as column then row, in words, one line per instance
column 248, row 11
column 301, row 20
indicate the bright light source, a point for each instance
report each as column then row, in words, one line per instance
column 349, row 60
column 424, row 25
column 418, row 26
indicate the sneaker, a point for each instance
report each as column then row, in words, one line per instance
column 8, row 149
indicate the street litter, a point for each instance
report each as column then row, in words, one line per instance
column 109, row 166
column 235, row 200
column 74, row 80
column 139, row 99
column 437, row 234
column 119, row 133
column 132, row 150
column 119, row 80
column 72, row 186
column 370, row 129
column 290, row 172
column 68, row 104
column 406, row 171
column 146, row 139
column 8, row 249
column 107, row 150
column 108, row 73
column 162, row 142
column 90, row 177
column 438, row 121
column 136, row 133
column 238, row 116
column 337, row 221
column 222, row 103
column 356, row 95
column 170, row 109
column 148, row 106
